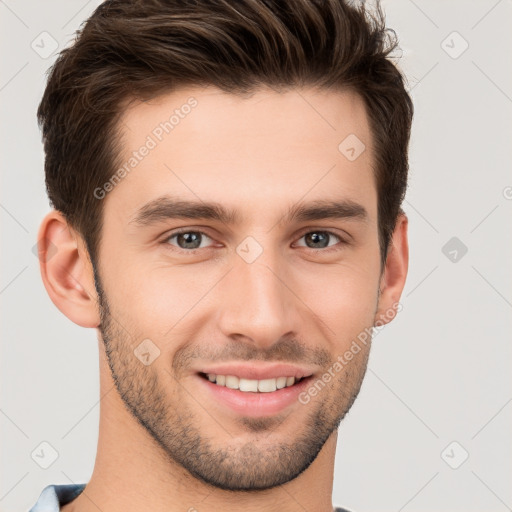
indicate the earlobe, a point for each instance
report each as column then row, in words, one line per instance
column 394, row 274
column 67, row 271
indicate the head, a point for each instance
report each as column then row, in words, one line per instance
column 279, row 121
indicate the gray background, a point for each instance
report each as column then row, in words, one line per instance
column 438, row 374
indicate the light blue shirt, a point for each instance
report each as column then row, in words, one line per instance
column 53, row 496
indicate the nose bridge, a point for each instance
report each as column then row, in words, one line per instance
column 256, row 302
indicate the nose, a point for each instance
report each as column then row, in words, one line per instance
column 258, row 303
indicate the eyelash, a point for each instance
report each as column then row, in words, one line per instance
column 166, row 240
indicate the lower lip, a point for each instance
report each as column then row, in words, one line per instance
column 256, row 404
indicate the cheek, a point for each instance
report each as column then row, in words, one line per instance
column 157, row 297
column 343, row 296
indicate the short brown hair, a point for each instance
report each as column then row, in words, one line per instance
column 141, row 49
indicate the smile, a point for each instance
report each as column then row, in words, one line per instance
column 251, row 385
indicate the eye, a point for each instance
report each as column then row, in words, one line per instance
column 187, row 240
column 320, row 239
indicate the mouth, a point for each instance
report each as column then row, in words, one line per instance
column 253, row 397
column 252, row 385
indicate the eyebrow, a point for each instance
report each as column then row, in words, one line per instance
column 166, row 207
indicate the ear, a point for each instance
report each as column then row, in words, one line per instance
column 67, row 271
column 394, row 273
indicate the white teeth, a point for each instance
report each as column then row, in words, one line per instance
column 267, row 385
column 248, row 385
column 281, row 382
column 251, row 385
column 232, row 382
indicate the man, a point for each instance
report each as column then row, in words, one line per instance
column 226, row 180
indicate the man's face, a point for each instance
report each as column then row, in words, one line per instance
column 255, row 291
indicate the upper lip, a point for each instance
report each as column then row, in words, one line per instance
column 258, row 371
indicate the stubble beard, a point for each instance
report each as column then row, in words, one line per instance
column 248, row 466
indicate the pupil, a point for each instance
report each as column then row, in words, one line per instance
column 315, row 237
column 190, row 239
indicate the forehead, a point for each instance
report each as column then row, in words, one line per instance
column 270, row 149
